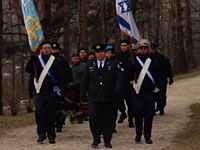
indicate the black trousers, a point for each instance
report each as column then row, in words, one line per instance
column 144, row 111
column 101, row 119
column 161, row 98
column 60, row 118
column 127, row 96
column 45, row 114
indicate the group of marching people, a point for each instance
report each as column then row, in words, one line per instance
column 102, row 81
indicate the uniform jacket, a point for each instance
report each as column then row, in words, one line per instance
column 163, row 68
column 147, row 84
column 62, row 77
column 77, row 71
column 124, row 58
column 101, row 86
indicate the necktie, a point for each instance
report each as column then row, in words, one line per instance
column 100, row 66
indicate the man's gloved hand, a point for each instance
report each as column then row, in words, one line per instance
column 171, row 80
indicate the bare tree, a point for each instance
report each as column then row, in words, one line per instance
column 40, row 8
column 179, row 52
column 18, row 10
column 82, row 24
column 1, row 45
column 13, row 102
column 103, row 16
column 66, row 28
column 188, row 38
column 157, row 37
column 47, row 19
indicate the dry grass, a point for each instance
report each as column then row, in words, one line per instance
column 188, row 74
column 190, row 138
column 11, row 122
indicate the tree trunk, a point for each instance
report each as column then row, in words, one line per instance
column 82, row 24
column 172, row 33
column 103, row 16
column 114, row 12
column 1, row 46
column 157, row 37
column 188, row 38
column 66, row 28
column 22, row 60
column 18, row 10
column 179, row 53
column 47, row 19
column 13, row 101
column 133, row 6
column 40, row 8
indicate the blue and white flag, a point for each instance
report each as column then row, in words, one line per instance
column 32, row 24
column 126, row 20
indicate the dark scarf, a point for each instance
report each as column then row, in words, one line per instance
column 143, row 57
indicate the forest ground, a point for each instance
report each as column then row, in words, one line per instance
column 181, row 95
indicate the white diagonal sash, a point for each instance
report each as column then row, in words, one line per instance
column 149, row 74
column 143, row 72
column 43, row 74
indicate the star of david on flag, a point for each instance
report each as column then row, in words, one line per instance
column 126, row 21
column 125, row 7
column 32, row 24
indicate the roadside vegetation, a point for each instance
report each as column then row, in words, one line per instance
column 187, row 75
column 11, row 122
column 190, row 137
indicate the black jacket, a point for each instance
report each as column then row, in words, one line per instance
column 163, row 69
column 63, row 77
column 124, row 58
column 147, row 84
column 102, row 86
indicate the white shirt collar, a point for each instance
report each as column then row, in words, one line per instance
column 103, row 62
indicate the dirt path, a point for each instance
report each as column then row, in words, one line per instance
column 78, row 136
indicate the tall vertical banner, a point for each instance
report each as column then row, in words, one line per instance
column 32, row 24
column 126, row 20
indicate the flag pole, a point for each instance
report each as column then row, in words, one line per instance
column 132, row 58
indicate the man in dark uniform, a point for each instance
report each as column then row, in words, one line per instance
column 124, row 57
column 45, row 94
column 166, row 72
column 143, row 95
column 101, row 79
column 159, row 96
column 60, row 115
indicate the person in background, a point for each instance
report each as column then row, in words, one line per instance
column 60, row 115
column 110, row 51
column 91, row 55
column 77, row 71
column 124, row 56
column 83, row 55
column 165, row 73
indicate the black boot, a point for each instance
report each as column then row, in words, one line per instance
column 131, row 124
column 162, row 112
column 122, row 117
